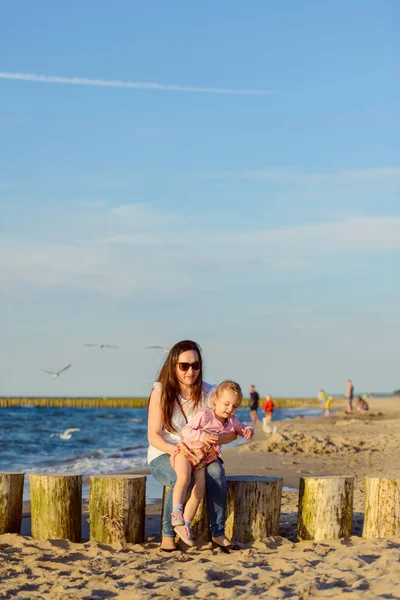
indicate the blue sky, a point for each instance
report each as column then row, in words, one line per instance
column 250, row 200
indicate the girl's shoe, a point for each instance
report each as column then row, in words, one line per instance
column 183, row 531
column 177, row 518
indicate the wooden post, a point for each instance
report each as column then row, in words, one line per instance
column 325, row 508
column 117, row 508
column 381, row 507
column 253, row 507
column 11, row 492
column 253, row 510
column 56, row 506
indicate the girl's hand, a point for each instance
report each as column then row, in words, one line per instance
column 210, row 438
column 248, row 433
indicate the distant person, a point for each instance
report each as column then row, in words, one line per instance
column 361, row 404
column 349, row 396
column 253, row 405
column 322, row 396
column 328, row 403
column 268, row 408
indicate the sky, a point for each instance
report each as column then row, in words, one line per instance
column 226, row 172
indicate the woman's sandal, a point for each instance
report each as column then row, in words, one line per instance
column 169, row 550
column 232, row 547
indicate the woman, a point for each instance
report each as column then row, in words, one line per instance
column 179, row 394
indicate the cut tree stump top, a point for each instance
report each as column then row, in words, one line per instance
column 327, row 477
column 121, row 476
column 254, row 478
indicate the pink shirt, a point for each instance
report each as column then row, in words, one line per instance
column 204, row 422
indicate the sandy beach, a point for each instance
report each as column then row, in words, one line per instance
column 277, row 567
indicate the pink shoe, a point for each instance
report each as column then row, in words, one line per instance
column 185, row 534
column 177, row 518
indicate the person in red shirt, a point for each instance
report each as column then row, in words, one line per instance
column 268, row 408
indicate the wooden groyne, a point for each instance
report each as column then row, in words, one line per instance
column 122, row 402
column 99, row 402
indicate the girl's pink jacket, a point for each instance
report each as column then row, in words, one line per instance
column 204, row 422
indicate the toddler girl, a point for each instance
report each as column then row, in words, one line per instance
column 198, row 448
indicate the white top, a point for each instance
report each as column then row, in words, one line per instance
column 178, row 420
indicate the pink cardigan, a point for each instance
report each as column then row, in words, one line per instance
column 204, row 422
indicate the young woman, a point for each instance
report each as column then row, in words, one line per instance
column 178, row 395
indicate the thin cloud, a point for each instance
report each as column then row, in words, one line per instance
column 142, row 216
column 148, row 260
column 295, row 176
column 357, row 234
column 137, row 85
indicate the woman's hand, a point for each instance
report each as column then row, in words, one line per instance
column 210, row 438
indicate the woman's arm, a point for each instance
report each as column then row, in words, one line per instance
column 225, row 438
column 155, row 424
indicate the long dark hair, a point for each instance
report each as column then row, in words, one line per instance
column 170, row 383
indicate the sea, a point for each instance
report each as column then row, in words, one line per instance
column 109, row 440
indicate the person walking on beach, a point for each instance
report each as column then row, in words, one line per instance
column 198, row 448
column 349, row 396
column 178, row 395
column 322, row 396
column 253, row 405
column 268, row 408
column 328, row 402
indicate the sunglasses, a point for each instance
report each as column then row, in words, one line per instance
column 184, row 366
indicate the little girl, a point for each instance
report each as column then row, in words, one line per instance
column 198, row 448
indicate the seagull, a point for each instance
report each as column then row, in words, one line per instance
column 66, row 435
column 57, row 373
column 166, row 350
column 102, row 346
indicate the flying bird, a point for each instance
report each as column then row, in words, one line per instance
column 56, row 373
column 166, row 350
column 102, row 346
column 66, row 435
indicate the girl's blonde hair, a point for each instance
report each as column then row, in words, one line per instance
column 232, row 386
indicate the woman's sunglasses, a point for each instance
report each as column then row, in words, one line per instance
column 183, row 366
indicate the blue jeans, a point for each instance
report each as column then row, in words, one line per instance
column 216, row 492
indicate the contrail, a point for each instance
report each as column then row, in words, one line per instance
column 137, row 85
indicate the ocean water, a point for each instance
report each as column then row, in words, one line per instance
column 109, row 440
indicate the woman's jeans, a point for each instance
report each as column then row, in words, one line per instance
column 216, row 493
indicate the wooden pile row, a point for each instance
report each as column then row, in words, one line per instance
column 117, row 507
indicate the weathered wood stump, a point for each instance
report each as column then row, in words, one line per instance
column 11, row 492
column 56, row 506
column 253, row 507
column 253, row 510
column 325, row 508
column 117, row 508
column 381, row 507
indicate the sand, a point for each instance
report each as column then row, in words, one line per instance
column 277, row 567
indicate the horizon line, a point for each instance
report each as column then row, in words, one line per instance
column 139, row 85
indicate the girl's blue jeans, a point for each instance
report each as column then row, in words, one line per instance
column 216, row 492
